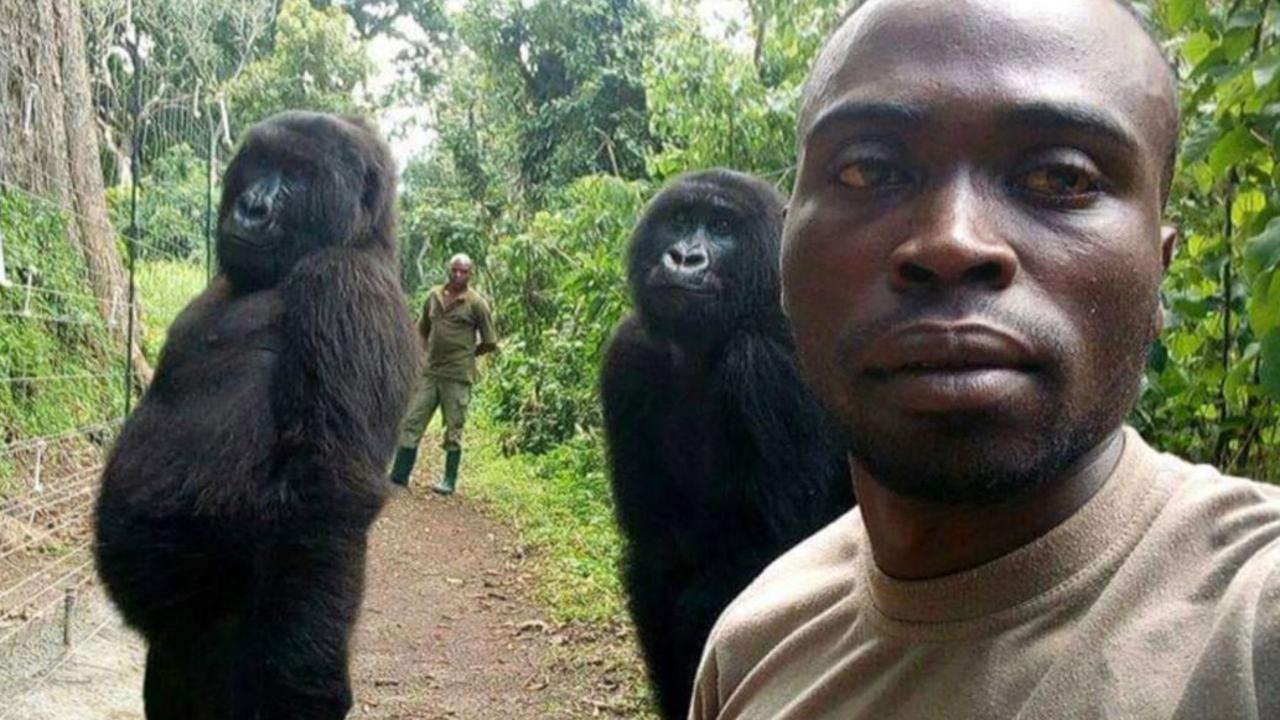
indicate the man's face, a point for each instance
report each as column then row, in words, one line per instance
column 459, row 274
column 973, row 250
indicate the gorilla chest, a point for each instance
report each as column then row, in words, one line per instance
column 695, row 436
column 218, row 365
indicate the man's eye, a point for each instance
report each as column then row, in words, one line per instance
column 1061, row 181
column 871, row 175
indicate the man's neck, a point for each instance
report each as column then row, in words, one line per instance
column 916, row 539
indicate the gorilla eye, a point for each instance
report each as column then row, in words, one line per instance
column 872, row 175
column 720, row 226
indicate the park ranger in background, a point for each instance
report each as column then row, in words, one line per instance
column 456, row 328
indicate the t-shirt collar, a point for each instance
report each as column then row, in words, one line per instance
column 1033, row 569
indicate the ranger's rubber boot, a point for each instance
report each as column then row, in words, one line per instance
column 402, row 468
column 449, row 483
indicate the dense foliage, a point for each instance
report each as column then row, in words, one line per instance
column 1215, row 376
column 58, row 369
column 553, row 130
column 554, row 120
column 505, row 183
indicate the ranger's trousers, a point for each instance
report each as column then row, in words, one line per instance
column 451, row 396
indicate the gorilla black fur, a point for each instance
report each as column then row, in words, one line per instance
column 235, row 505
column 719, row 454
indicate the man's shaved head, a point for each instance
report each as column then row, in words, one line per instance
column 862, row 17
column 459, row 271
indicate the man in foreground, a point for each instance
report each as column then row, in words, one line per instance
column 971, row 263
column 456, row 328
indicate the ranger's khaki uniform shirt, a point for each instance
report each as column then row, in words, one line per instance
column 450, row 328
column 1158, row 600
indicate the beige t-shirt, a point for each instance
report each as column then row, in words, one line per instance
column 1160, row 598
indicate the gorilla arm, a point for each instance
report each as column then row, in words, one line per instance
column 761, row 378
column 635, row 369
column 342, row 383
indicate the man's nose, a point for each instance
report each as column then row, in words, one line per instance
column 957, row 242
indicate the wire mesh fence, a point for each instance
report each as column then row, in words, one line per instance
column 68, row 373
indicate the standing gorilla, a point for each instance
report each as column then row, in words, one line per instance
column 232, row 522
column 719, row 454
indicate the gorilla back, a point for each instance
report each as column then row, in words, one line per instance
column 719, row 454
column 232, row 520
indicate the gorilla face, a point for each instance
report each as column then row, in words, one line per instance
column 696, row 244
column 300, row 182
column 705, row 253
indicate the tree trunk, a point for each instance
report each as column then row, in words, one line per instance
column 49, row 144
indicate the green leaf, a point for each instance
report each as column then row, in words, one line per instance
column 1237, row 42
column 1191, row 309
column 1264, row 305
column 1264, row 70
column 1239, row 379
column 1245, row 20
column 1197, row 48
column 1179, row 12
column 1199, row 143
column 1247, row 206
column 1158, row 357
column 1217, row 58
column 1234, row 148
column 1262, row 253
column 1269, row 372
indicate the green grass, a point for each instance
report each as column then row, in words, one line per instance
column 560, row 506
column 164, row 288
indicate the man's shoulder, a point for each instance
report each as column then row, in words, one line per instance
column 801, row 584
column 1233, row 504
column 1231, row 523
column 476, row 299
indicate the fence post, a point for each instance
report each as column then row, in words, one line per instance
column 68, row 605
column 4, row 277
column 210, row 159
column 135, row 171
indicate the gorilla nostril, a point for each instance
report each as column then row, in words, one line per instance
column 684, row 257
column 254, row 206
column 251, row 211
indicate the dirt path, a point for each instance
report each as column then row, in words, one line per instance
column 448, row 631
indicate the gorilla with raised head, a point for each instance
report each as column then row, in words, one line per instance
column 719, row 454
column 232, row 521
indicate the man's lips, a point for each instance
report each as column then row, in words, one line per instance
column 946, row 347
column 931, row 368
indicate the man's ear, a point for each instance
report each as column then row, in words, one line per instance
column 1168, row 243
